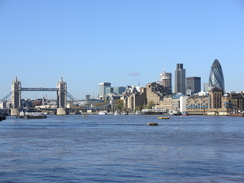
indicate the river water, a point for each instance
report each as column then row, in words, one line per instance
column 122, row 148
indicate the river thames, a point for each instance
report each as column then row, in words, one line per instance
column 122, row 148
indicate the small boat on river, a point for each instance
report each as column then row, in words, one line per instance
column 152, row 124
column 237, row 114
column 102, row 113
column 117, row 113
column 163, row 117
column 31, row 115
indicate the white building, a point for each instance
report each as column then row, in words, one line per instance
column 183, row 104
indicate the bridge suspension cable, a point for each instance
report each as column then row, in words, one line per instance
column 78, row 102
column 102, row 106
column 73, row 99
column 6, row 97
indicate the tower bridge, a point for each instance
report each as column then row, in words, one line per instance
column 62, row 95
column 61, row 90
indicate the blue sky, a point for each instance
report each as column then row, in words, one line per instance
column 92, row 41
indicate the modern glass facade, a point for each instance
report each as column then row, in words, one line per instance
column 118, row 90
column 193, row 84
column 104, row 89
column 216, row 77
column 180, row 79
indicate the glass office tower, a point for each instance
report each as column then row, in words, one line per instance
column 180, row 79
column 104, row 89
column 216, row 77
column 193, row 84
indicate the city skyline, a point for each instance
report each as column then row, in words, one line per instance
column 87, row 43
column 185, row 85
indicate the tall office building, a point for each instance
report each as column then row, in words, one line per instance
column 193, row 84
column 165, row 80
column 205, row 87
column 104, row 89
column 216, row 77
column 180, row 79
column 118, row 90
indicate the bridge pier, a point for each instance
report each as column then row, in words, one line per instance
column 14, row 112
column 61, row 111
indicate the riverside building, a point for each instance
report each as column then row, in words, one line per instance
column 155, row 92
column 210, row 104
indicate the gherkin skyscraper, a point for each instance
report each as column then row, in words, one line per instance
column 216, row 77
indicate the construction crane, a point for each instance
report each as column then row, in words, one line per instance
column 134, row 74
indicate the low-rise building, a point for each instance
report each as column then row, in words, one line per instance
column 196, row 104
column 233, row 102
column 155, row 92
column 210, row 104
column 166, row 103
column 215, row 103
column 176, row 102
column 135, row 99
column 183, row 104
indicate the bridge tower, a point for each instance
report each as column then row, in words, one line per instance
column 16, row 97
column 61, row 97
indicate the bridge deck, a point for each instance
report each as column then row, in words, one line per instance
column 39, row 89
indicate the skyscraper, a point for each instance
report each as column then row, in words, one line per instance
column 205, row 87
column 104, row 89
column 180, row 79
column 118, row 90
column 216, row 77
column 193, row 84
column 165, row 80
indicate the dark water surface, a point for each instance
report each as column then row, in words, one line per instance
column 112, row 148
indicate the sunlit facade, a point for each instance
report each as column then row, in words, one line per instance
column 104, row 89
column 165, row 80
column 216, row 77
